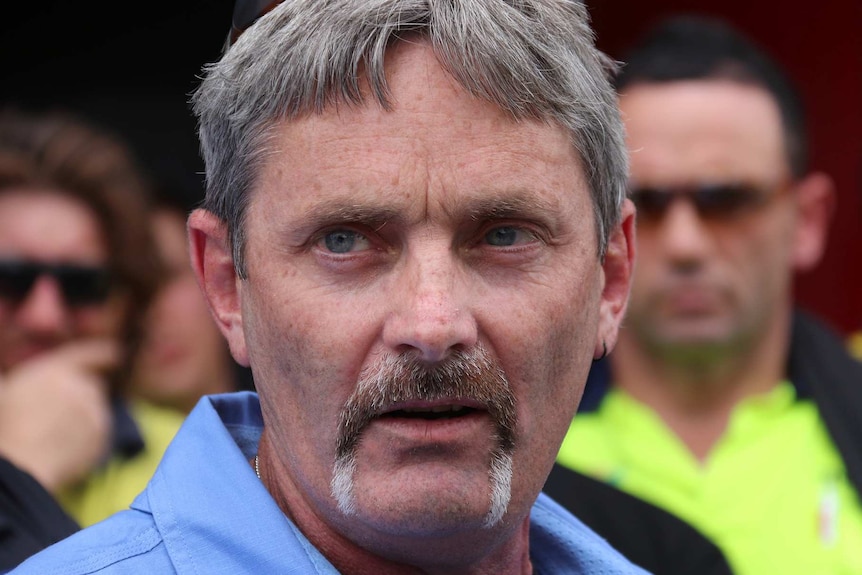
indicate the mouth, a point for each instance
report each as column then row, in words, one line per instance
column 435, row 412
column 418, row 429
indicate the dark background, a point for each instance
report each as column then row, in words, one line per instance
column 132, row 66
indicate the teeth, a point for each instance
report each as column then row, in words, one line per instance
column 435, row 409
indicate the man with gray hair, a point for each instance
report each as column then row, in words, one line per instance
column 415, row 234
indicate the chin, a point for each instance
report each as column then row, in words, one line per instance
column 428, row 502
column 709, row 330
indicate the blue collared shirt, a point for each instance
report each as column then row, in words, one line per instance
column 205, row 512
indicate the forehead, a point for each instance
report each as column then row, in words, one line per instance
column 435, row 139
column 48, row 225
column 688, row 131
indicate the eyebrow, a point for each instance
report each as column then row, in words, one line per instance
column 333, row 213
column 517, row 205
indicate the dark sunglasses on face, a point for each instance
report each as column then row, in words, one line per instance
column 712, row 201
column 80, row 285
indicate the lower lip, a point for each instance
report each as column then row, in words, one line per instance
column 431, row 431
column 692, row 301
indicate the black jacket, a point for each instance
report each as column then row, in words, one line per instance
column 821, row 368
column 645, row 534
column 30, row 518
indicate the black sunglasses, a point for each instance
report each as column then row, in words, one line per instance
column 712, row 201
column 81, row 285
column 246, row 13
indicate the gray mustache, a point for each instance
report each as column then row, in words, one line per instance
column 465, row 375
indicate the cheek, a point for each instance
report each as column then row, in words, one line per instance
column 562, row 362
column 305, row 354
column 182, row 296
column 769, row 273
column 187, row 308
column 648, row 264
column 553, row 365
column 760, row 255
column 550, row 349
column 304, row 359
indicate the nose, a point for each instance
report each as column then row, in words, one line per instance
column 43, row 310
column 431, row 316
column 684, row 236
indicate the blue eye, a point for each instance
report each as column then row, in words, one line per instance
column 506, row 236
column 344, row 241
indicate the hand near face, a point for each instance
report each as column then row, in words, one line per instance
column 55, row 417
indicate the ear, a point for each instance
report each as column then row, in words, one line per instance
column 618, row 268
column 815, row 206
column 212, row 260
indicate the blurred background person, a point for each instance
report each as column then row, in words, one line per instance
column 77, row 270
column 183, row 356
column 723, row 402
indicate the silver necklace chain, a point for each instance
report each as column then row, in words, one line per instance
column 257, row 466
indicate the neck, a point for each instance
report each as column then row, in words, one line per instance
column 695, row 393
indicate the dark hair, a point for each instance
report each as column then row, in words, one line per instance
column 697, row 47
column 59, row 151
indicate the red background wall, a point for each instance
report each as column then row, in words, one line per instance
column 820, row 46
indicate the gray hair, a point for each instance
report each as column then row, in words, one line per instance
column 532, row 58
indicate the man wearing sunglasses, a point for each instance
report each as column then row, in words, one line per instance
column 416, row 235
column 722, row 403
column 77, row 270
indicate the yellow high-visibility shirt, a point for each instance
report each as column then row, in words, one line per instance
column 773, row 493
column 114, row 486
